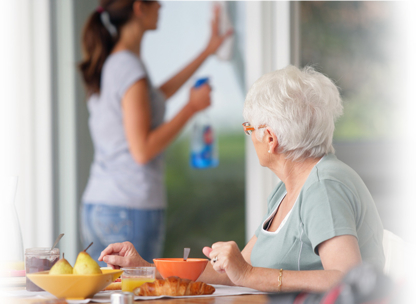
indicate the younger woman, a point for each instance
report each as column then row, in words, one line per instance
column 125, row 197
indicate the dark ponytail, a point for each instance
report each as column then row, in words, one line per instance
column 98, row 42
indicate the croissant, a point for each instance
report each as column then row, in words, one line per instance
column 173, row 286
column 116, row 285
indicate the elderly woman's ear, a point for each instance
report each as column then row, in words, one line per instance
column 271, row 140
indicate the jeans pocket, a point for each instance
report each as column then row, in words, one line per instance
column 112, row 224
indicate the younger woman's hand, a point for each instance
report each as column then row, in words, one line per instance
column 200, row 98
column 122, row 255
column 216, row 38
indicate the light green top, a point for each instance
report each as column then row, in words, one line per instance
column 333, row 201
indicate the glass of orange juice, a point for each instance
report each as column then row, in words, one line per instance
column 134, row 277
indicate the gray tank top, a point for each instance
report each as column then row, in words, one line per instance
column 115, row 177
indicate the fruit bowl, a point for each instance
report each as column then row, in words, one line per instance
column 190, row 269
column 74, row 286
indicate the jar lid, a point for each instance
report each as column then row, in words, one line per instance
column 122, row 298
column 41, row 251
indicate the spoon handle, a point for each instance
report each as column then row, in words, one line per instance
column 186, row 253
column 57, row 240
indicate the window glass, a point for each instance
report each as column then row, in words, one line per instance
column 204, row 206
column 359, row 45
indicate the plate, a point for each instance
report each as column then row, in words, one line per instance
column 12, row 281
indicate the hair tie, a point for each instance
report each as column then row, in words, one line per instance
column 100, row 9
column 105, row 20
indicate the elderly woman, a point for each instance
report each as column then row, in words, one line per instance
column 321, row 219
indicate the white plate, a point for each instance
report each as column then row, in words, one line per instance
column 12, row 281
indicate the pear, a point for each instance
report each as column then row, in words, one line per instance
column 85, row 264
column 61, row 267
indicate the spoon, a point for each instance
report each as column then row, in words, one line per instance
column 57, row 240
column 186, row 253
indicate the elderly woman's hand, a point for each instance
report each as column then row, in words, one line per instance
column 226, row 257
column 122, row 255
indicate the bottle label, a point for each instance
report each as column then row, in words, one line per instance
column 203, row 148
column 203, row 154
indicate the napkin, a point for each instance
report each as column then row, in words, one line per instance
column 105, row 296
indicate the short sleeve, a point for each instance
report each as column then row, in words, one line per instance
column 130, row 70
column 328, row 210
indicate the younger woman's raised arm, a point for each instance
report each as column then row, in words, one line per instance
column 173, row 84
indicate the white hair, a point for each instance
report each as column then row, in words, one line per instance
column 300, row 106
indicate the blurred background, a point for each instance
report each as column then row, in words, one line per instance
column 365, row 47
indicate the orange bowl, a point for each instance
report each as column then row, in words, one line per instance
column 190, row 269
column 74, row 286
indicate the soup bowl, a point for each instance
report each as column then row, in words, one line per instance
column 190, row 269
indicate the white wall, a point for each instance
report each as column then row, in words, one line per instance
column 410, row 105
column 65, row 137
column 72, row 144
column 268, row 47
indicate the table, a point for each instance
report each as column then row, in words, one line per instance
column 244, row 299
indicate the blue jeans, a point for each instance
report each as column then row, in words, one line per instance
column 105, row 225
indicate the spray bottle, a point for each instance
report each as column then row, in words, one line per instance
column 204, row 152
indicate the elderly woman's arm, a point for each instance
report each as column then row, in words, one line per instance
column 338, row 255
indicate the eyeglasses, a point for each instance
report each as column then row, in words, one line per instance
column 248, row 128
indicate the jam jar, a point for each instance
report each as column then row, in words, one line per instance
column 39, row 259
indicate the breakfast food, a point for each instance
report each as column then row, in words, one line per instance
column 61, row 267
column 128, row 284
column 39, row 259
column 116, row 285
column 174, row 286
column 85, row 264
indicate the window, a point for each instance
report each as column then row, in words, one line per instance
column 359, row 45
column 204, row 206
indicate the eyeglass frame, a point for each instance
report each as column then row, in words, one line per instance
column 248, row 128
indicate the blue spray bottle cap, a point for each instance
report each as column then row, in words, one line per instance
column 200, row 82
